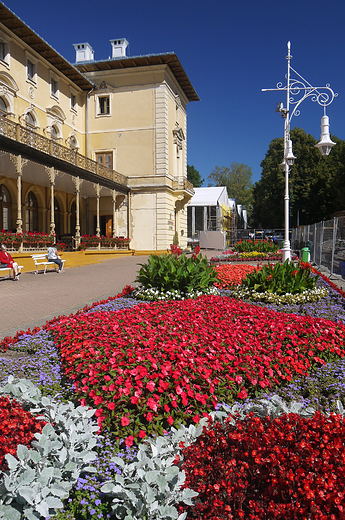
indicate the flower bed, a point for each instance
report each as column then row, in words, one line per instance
column 250, row 256
column 17, row 426
column 30, row 240
column 107, row 242
column 232, row 275
column 255, row 245
column 215, row 342
column 285, row 468
column 150, row 367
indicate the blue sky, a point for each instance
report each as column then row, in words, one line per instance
column 230, row 51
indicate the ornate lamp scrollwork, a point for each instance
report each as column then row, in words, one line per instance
column 298, row 89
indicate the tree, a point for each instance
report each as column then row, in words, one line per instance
column 314, row 182
column 194, row 176
column 238, row 182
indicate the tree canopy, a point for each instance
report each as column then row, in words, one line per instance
column 238, row 181
column 316, row 183
column 194, row 176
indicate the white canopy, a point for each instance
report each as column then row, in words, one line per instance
column 212, row 196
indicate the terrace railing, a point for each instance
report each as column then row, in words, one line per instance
column 28, row 137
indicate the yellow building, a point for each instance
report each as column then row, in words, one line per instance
column 98, row 147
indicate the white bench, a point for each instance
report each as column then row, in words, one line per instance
column 9, row 269
column 42, row 259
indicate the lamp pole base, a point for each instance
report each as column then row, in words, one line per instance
column 286, row 252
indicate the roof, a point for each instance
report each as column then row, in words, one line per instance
column 35, row 42
column 128, row 62
column 211, row 196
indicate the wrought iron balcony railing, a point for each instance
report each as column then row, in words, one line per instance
column 31, row 138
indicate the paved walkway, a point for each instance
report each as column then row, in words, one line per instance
column 35, row 299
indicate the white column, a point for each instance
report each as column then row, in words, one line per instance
column 19, row 164
column 77, row 183
column 97, row 190
column 114, row 214
column 51, row 174
column 205, row 218
column 19, row 221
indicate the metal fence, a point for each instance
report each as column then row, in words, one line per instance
column 326, row 242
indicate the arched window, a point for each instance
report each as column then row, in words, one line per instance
column 3, row 107
column 5, row 208
column 31, row 213
column 72, row 220
column 30, row 120
column 54, row 132
column 73, row 142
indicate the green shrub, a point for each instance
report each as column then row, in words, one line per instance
column 181, row 273
column 280, row 279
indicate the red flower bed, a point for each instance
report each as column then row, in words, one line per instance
column 147, row 368
column 231, row 275
column 286, row 468
column 16, row 427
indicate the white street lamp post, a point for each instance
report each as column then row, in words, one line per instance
column 297, row 90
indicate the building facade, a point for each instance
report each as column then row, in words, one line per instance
column 98, row 147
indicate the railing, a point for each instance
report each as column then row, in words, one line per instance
column 28, row 137
column 326, row 242
column 183, row 184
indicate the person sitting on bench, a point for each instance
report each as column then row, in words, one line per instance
column 7, row 261
column 54, row 257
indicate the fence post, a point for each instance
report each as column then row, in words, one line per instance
column 335, row 230
column 321, row 241
column 314, row 244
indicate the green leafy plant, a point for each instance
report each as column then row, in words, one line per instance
column 170, row 272
column 280, row 279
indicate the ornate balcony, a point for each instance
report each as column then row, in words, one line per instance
column 61, row 154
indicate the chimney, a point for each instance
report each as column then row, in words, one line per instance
column 119, row 48
column 83, row 52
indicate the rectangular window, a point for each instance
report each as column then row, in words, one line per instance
column 31, row 70
column 73, row 102
column 105, row 158
column 104, row 105
column 4, row 49
column 54, row 87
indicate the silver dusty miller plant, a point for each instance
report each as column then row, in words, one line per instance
column 40, row 477
column 151, row 485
